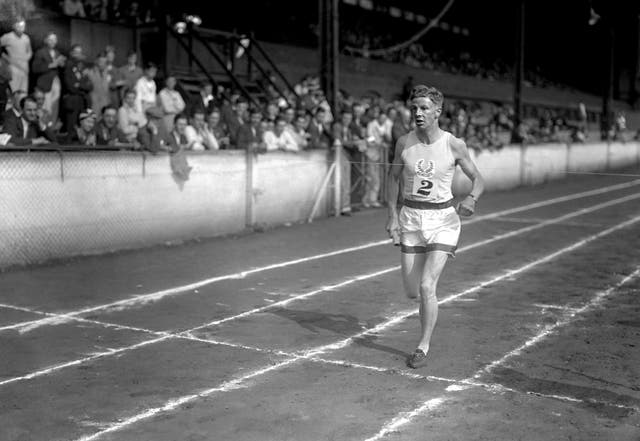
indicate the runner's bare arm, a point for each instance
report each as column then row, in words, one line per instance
column 393, row 189
column 461, row 154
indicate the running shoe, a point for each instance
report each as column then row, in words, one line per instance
column 417, row 359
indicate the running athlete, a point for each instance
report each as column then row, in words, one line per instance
column 428, row 225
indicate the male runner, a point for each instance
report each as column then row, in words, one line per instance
column 428, row 224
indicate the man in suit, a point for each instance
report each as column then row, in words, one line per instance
column 204, row 102
column 320, row 137
column 27, row 130
column 46, row 63
column 237, row 119
column 14, row 113
column 249, row 134
column 77, row 86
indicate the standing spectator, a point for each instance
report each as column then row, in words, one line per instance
column 112, row 71
column 204, row 102
column 27, row 130
column 250, row 134
column 146, row 96
column 85, row 132
column 101, row 83
column 300, row 134
column 378, row 140
column 77, row 86
column 47, row 62
column 74, row 8
column 218, row 128
column 5, row 90
column 346, row 135
column 130, row 119
column 107, row 132
column 318, row 131
column 17, row 46
column 128, row 75
column 171, row 102
column 237, row 120
column 198, row 135
column 280, row 138
column 401, row 126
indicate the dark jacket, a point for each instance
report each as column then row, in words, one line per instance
column 320, row 135
column 40, row 67
column 15, row 128
column 247, row 136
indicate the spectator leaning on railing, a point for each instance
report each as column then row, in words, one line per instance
column 130, row 118
column 320, row 137
column 250, row 134
column 26, row 129
column 107, row 132
column 198, row 135
column 280, row 138
column 85, row 132
column 218, row 128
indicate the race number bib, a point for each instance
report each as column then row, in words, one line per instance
column 423, row 187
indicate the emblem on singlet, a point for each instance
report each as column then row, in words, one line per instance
column 422, row 171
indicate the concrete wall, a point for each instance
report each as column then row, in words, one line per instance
column 59, row 205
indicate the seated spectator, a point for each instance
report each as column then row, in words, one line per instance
column 280, row 138
column 250, row 134
column 128, row 75
column 154, row 136
column 272, row 112
column 74, row 8
column 44, row 116
column 26, row 129
column 130, row 118
column 146, row 96
column 300, row 134
column 77, row 86
column 204, row 102
column 219, row 129
column 14, row 113
column 177, row 139
column 101, row 83
column 198, row 134
column 171, row 102
column 318, row 131
column 107, row 132
column 85, row 132
column 289, row 116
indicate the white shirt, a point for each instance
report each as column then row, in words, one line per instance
column 145, row 94
column 283, row 142
column 201, row 139
column 18, row 49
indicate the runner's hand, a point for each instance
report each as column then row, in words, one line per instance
column 467, row 207
column 393, row 229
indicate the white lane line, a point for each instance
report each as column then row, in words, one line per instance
column 143, row 299
column 58, row 318
column 595, row 302
column 533, row 220
column 61, row 318
column 242, row 381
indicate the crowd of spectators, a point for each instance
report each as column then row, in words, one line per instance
column 131, row 12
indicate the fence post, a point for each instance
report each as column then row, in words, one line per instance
column 250, row 163
column 337, row 181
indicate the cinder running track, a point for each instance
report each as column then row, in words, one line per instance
column 301, row 333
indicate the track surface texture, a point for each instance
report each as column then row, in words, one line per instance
column 301, row 333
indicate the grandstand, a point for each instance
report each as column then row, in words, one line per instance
column 193, row 199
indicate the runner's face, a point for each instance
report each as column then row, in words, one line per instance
column 424, row 111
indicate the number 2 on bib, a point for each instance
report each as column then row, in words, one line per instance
column 422, row 187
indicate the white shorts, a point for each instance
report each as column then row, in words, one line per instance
column 429, row 230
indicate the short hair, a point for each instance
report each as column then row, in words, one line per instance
column 129, row 90
column 132, row 53
column 108, row 107
column 198, row 111
column 150, row 65
column 101, row 54
column 422, row 91
column 75, row 46
column 346, row 112
column 280, row 119
column 205, row 84
column 181, row 116
column 255, row 110
column 26, row 99
column 320, row 109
